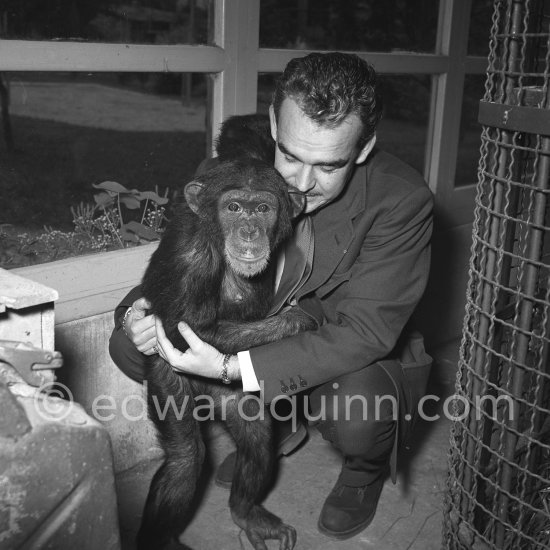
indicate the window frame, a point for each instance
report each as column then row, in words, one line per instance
column 91, row 285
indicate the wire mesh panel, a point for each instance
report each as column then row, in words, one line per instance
column 498, row 487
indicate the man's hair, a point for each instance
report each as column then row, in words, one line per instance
column 330, row 86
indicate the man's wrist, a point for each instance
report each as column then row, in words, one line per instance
column 233, row 368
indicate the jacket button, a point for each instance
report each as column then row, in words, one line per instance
column 303, row 383
column 284, row 387
column 293, row 385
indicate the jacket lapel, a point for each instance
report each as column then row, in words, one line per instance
column 298, row 260
column 321, row 239
column 333, row 230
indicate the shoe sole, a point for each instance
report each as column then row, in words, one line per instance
column 343, row 535
column 286, row 447
column 292, row 441
column 223, row 484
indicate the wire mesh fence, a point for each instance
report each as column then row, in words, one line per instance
column 498, row 486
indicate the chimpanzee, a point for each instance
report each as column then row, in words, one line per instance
column 246, row 136
column 212, row 269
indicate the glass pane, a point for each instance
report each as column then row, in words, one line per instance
column 135, row 21
column 70, row 131
column 362, row 25
column 403, row 128
column 480, row 27
column 470, row 131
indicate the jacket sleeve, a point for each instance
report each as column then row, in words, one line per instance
column 121, row 349
column 366, row 307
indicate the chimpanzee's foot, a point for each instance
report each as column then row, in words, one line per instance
column 261, row 525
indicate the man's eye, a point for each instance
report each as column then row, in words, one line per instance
column 262, row 208
column 290, row 159
column 327, row 169
column 233, row 207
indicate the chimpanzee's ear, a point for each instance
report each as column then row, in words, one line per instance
column 191, row 192
column 297, row 201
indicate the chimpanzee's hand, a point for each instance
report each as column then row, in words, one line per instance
column 200, row 359
column 139, row 326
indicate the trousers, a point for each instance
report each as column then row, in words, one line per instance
column 369, row 414
column 358, row 413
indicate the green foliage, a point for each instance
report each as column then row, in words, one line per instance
column 98, row 227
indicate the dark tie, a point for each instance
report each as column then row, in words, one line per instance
column 298, row 263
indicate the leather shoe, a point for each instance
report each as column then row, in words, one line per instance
column 288, row 442
column 349, row 510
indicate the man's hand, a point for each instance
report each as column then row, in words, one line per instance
column 200, row 359
column 139, row 326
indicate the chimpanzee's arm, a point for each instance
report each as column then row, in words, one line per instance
column 232, row 336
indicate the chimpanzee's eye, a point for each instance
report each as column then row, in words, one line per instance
column 262, row 208
column 233, row 206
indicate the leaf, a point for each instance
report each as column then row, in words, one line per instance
column 111, row 186
column 152, row 196
column 130, row 201
column 142, row 231
column 126, row 234
column 104, row 199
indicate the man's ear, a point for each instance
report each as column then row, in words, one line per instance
column 191, row 192
column 273, row 123
column 365, row 151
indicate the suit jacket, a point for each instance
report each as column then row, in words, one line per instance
column 370, row 266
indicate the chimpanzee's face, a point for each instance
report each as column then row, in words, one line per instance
column 245, row 210
column 317, row 160
column 247, row 219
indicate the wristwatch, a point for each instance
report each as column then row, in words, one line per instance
column 223, row 374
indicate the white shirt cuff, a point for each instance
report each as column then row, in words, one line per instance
column 248, row 376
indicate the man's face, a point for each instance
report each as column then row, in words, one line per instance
column 316, row 160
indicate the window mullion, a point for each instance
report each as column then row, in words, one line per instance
column 234, row 90
column 447, row 92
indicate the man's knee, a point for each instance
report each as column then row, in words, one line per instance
column 126, row 356
column 367, row 394
column 358, row 411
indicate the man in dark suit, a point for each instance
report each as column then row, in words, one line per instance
column 358, row 263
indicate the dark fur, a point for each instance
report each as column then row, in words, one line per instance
column 246, row 136
column 187, row 279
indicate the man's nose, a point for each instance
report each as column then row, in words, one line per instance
column 304, row 179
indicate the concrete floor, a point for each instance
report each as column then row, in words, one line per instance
column 409, row 515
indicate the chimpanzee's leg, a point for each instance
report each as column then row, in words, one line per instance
column 251, row 426
column 170, row 398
